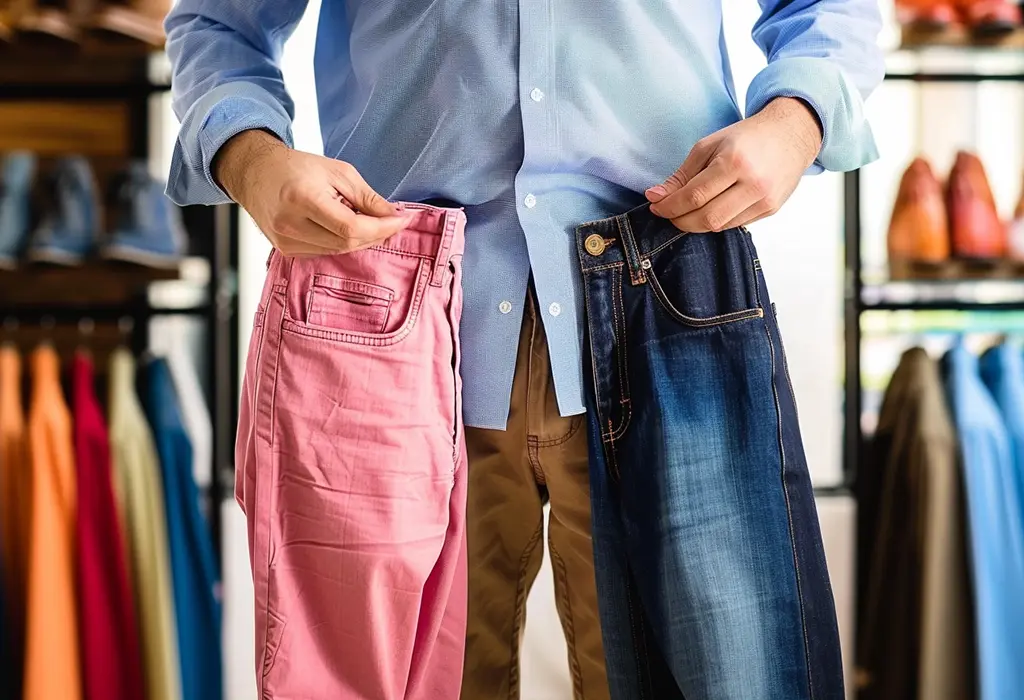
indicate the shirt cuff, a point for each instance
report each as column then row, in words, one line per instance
column 225, row 111
column 847, row 141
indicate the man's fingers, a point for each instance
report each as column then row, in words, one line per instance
column 354, row 230
column 309, row 232
column 695, row 161
column 751, row 214
column 719, row 212
column 360, row 195
column 292, row 248
column 701, row 189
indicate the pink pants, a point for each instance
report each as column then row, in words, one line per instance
column 350, row 463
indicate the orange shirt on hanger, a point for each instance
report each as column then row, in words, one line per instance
column 52, row 664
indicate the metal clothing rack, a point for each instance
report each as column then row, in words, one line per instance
column 213, row 236
column 855, row 304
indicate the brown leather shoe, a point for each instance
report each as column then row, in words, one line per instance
column 926, row 15
column 990, row 17
column 918, row 229
column 978, row 233
column 142, row 20
column 48, row 18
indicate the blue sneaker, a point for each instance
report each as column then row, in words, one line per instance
column 67, row 233
column 147, row 225
column 17, row 173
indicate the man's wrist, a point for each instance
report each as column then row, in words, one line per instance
column 801, row 122
column 240, row 155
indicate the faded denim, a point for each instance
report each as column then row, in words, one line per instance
column 710, row 568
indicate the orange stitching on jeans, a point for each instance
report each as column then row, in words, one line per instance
column 619, row 322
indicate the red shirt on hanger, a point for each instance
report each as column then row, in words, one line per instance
column 111, row 657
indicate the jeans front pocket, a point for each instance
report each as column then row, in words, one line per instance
column 705, row 279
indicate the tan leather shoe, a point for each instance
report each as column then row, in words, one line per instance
column 142, row 20
column 978, row 233
column 918, row 229
column 989, row 16
column 926, row 15
column 48, row 18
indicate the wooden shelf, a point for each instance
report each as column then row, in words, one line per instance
column 91, row 284
column 957, row 271
column 961, row 37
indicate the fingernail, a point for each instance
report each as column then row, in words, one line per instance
column 657, row 191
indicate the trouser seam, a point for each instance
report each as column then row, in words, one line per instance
column 639, row 640
column 789, row 519
column 567, row 623
column 520, row 602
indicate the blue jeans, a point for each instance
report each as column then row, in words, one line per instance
column 711, row 574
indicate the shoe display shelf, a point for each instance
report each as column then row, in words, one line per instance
column 97, row 101
column 977, row 286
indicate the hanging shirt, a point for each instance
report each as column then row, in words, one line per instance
column 988, row 475
column 1002, row 370
column 193, row 565
column 52, row 662
column 165, row 336
column 140, row 495
column 111, row 659
column 915, row 625
column 15, row 497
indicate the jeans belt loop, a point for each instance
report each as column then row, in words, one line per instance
column 629, row 247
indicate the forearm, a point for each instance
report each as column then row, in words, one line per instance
column 240, row 158
column 226, row 80
column 824, row 53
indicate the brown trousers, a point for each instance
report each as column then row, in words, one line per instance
column 540, row 456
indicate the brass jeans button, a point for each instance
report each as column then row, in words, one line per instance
column 594, row 244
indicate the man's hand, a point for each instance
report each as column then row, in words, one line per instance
column 742, row 173
column 306, row 205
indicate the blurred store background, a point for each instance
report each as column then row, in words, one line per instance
column 124, row 319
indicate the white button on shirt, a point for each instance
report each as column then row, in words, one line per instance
column 536, row 94
column 505, row 307
column 530, row 201
column 555, row 309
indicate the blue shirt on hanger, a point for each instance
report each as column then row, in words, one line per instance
column 193, row 564
column 988, row 465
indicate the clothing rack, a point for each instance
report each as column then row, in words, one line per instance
column 126, row 78
column 855, row 303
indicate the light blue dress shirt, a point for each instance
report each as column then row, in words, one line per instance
column 994, row 517
column 534, row 115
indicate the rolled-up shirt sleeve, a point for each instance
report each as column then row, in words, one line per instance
column 226, row 79
column 824, row 52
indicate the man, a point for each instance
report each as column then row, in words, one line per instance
column 533, row 117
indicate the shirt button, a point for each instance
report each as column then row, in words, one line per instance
column 505, row 307
column 554, row 309
column 530, row 201
column 536, row 94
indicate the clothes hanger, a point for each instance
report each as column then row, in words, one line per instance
column 86, row 326
column 10, row 328
column 47, row 324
